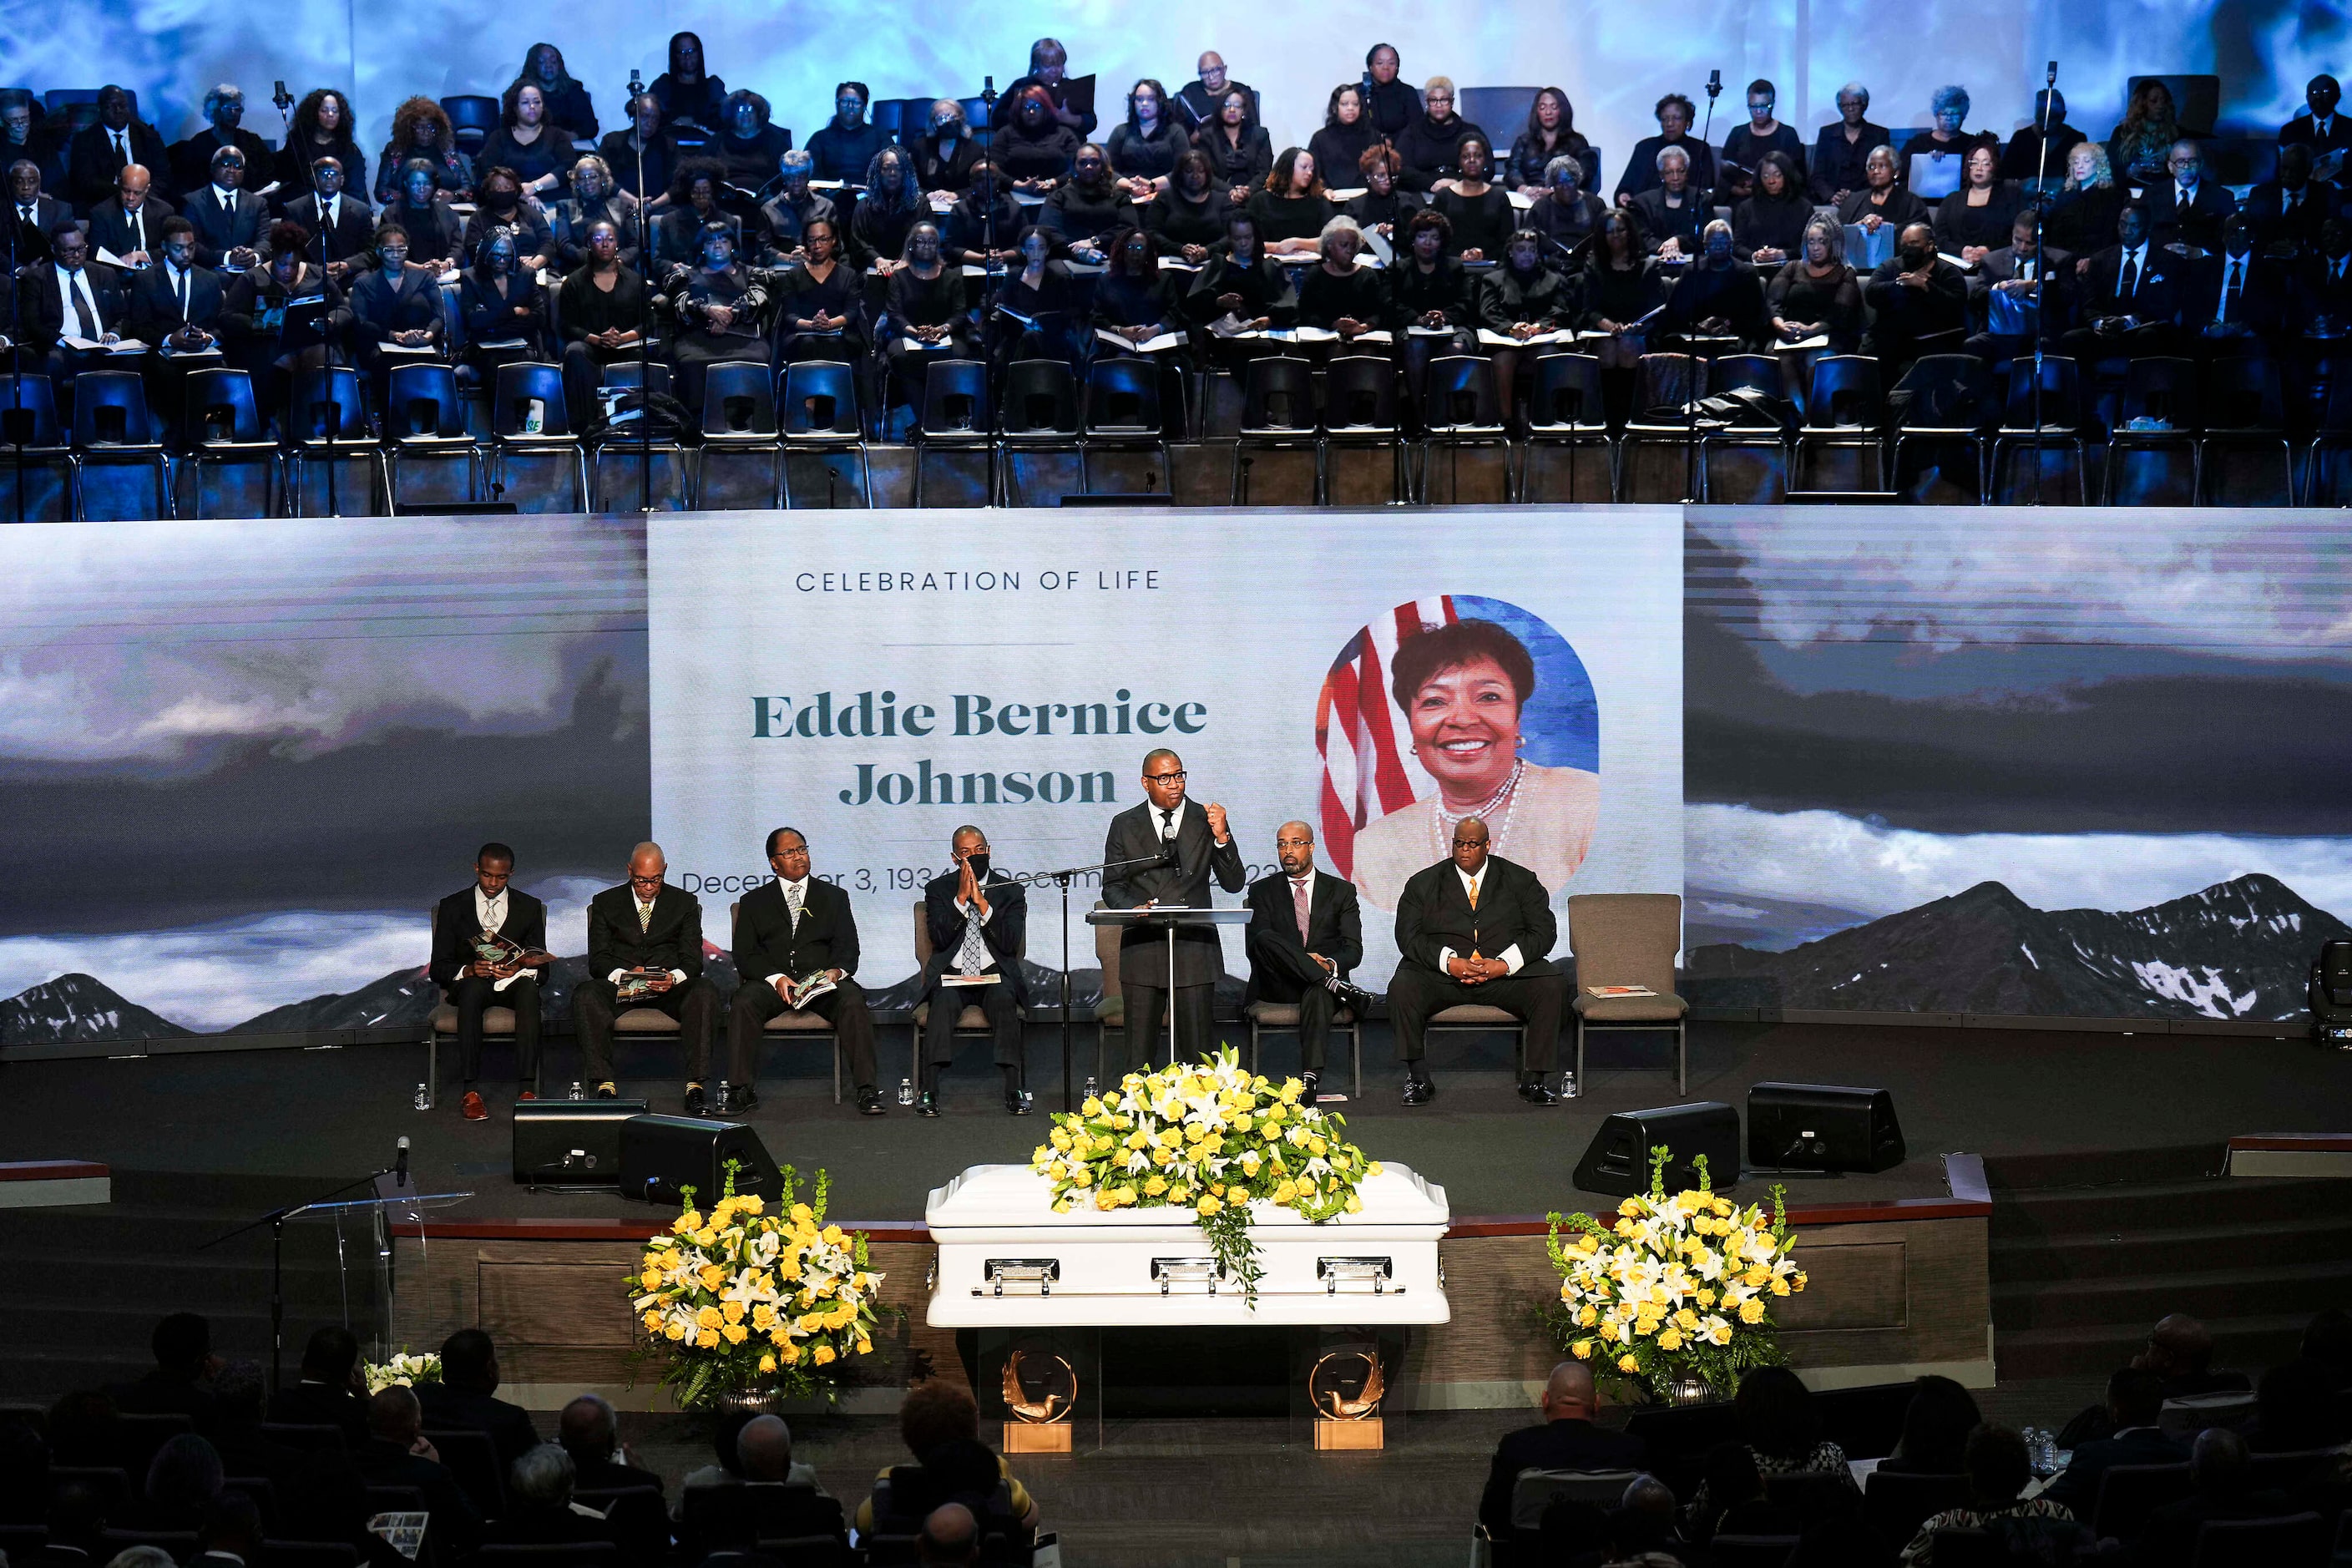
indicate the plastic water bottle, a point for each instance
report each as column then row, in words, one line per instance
column 1091, row 1091
column 906, row 1091
column 1569, row 1088
column 577, row 1093
column 424, row 1097
column 726, row 1094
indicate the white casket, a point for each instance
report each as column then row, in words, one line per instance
column 1007, row 1260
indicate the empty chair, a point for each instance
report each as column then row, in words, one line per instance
column 472, row 1461
column 1839, row 446
column 1364, row 446
column 2295, row 1538
column 1744, row 462
column 1943, row 418
column 331, row 425
column 952, row 438
column 36, row 464
column 472, row 118
column 1277, row 453
column 425, row 426
column 2153, row 450
column 741, row 461
column 1570, row 456
column 530, row 429
column 825, row 436
column 1628, row 938
column 224, row 425
column 2245, row 426
column 629, row 372
column 2054, row 425
column 113, row 430
column 1658, row 455
column 1122, row 429
column 1462, row 412
column 640, row 463
column 1038, row 423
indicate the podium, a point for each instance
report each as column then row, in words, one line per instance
column 1169, row 916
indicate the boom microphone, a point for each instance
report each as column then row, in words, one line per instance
column 1715, row 83
column 400, row 1165
column 2051, row 79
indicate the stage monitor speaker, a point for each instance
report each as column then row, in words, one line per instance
column 663, row 1155
column 1822, row 1127
column 1617, row 1161
column 571, row 1142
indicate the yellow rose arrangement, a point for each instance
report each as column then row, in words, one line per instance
column 1209, row 1137
column 746, row 1299
column 1678, row 1287
column 403, row 1370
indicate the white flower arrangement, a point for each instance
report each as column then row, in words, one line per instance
column 403, row 1371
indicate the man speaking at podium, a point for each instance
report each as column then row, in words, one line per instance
column 1190, row 842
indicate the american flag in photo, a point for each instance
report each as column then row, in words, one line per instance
column 1369, row 768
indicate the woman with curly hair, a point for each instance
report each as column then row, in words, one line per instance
column 420, row 130
column 2143, row 138
column 321, row 129
column 887, row 215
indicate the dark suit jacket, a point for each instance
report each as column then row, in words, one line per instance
column 91, row 165
column 2266, row 209
column 2077, row 1486
column 1008, row 918
column 192, row 161
column 155, row 304
column 353, row 232
column 2000, row 266
column 610, row 1475
column 673, row 939
column 306, row 1404
column 2158, row 297
column 217, row 233
column 2302, row 130
column 1556, row 1446
column 2317, row 294
column 449, row 1409
column 1279, row 967
column 2169, row 1540
column 1513, row 909
column 1837, row 164
column 110, row 226
column 2264, row 293
column 454, row 1520
column 766, row 942
column 455, row 925
column 1143, row 950
column 1903, row 313
column 33, row 238
column 41, row 313
column 2199, row 223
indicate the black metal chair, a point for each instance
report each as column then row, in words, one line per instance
column 330, row 427
column 223, row 420
column 1361, row 398
column 425, row 421
column 1657, row 455
column 1277, row 417
column 739, row 425
column 1839, row 446
column 1744, row 465
column 1122, row 418
column 1948, row 407
column 2143, row 465
column 2245, row 420
column 1567, row 420
column 113, row 428
column 2283, row 1542
column 2060, row 429
column 1037, row 433
column 472, row 1461
column 472, row 118
column 822, row 425
column 1462, row 411
column 954, row 423
column 31, row 437
column 530, row 393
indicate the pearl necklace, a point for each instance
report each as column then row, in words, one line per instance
column 1444, row 821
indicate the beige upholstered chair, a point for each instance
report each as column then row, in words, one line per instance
column 790, row 1021
column 497, row 1023
column 1275, row 1017
column 1628, row 938
column 971, row 1020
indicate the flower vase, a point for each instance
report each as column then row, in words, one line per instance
column 1686, row 1391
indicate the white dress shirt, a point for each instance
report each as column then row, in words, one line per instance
column 69, row 286
column 1473, row 888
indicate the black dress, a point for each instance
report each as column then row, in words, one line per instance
column 1244, row 165
column 1761, row 223
column 838, row 154
column 1080, row 216
column 1731, row 293
column 1568, row 226
column 551, row 153
column 964, row 239
column 1288, row 217
column 1529, row 159
column 1901, row 208
column 1446, row 287
column 581, row 309
column 800, row 295
column 916, row 301
column 1147, row 157
column 704, row 102
column 2082, row 220
column 1835, row 301
column 696, row 345
column 1623, row 295
column 949, row 171
column 570, row 219
column 1361, row 294
column 1661, row 222
column 1543, row 297
column 880, row 231
column 1339, row 152
column 1642, row 168
column 1390, row 106
column 525, row 221
column 619, row 155
column 1177, row 221
column 1959, row 224
column 1395, row 209
column 434, row 232
column 1264, row 288
column 1047, row 321
column 1045, row 153
column 1432, row 151
column 1745, row 148
column 1483, row 223
column 520, row 312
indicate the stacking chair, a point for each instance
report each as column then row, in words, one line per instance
column 226, row 436
column 1363, row 445
column 952, row 438
column 1121, row 429
column 971, row 1023
column 2323, row 483
column 1038, row 425
column 1839, row 446
column 331, row 426
column 1462, row 412
column 472, row 118
column 1569, row 455
column 2060, row 431
column 793, row 1021
column 1743, row 465
column 425, row 424
column 1946, row 415
column 743, row 457
column 825, row 436
column 1277, row 457
column 2156, row 467
column 525, row 389
column 1655, row 456
column 2245, row 421
column 113, row 431
column 629, row 472
column 1628, row 938
column 1281, row 1018
column 36, row 478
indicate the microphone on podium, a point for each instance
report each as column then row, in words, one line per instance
column 400, row 1165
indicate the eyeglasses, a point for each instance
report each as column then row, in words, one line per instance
column 1164, row 778
column 1469, row 844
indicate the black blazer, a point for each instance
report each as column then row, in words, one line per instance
column 673, row 939
column 1279, row 967
column 92, row 163
column 1143, row 950
column 1514, row 910
column 455, row 928
column 217, row 233
column 1556, row 1446
column 2077, row 1486
column 1008, row 906
column 156, row 303
column 33, row 238
column 2200, row 223
column 353, row 233
column 109, row 228
column 1838, row 164
column 2303, row 129
column 40, row 312
column 2264, row 293
column 2158, row 297
column 192, row 161
column 2000, row 266
column 2266, row 208
column 766, row 942
column 306, row 1404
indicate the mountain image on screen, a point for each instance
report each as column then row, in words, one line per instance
column 77, row 1007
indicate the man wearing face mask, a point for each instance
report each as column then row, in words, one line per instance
column 976, row 917
column 848, row 143
column 176, row 307
column 1921, row 300
column 192, row 161
column 338, row 222
column 230, row 221
column 129, row 224
column 1719, row 296
column 1186, row 845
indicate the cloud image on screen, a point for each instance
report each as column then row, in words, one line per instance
column 1498, row 721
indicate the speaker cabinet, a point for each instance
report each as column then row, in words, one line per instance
column 1822, row 1127
column 663, row 1155
column 571, row 1142
column 1617, row 1161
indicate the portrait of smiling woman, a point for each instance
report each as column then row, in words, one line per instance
column 1493, row 739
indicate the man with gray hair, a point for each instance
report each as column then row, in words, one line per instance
column 645, row 950
column 1842, row 150
column 591, row 1433
column 192, row 161
column 1306, row 933
column 977, row 919
column 790, row 207
column 539, row 1510
column 396, row 1453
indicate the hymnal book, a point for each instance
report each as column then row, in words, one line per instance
column 1078, row 94
column 1148, row 346
column 639, row 983
column 1343, row 195
column 1495, row 339
column 974, row 269
column 989, row 979
column 1419, row 332
column 1963, row 265
column 916, row 346
column 941, row 201
column 1607, row 991
column 408, row 350
column 502, row 343
column 92, row 345
column 1028, row 199
column 1008, row 311
column 1802, row 345
column 110, row 260
column 806, row 989
column 1178, row 264
column 1521, row 201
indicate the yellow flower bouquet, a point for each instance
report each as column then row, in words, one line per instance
column 1678, row 1288
column 744, row 1299
column 1212, row 1137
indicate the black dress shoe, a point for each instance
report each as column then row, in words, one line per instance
column 927, row 1104
column 1420, row 1090
column 1535, row 1092
column 742, row 1101
column 694, row 1100
column 869, row 1101
column 1307, row 1094
column 1018, row 1102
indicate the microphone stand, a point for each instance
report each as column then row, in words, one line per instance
column 1062, row 880
column 645, row 309
column 1706, row 199
column 284, row 105
column 20, row 420
column 276, row 1220
column 2041, row 267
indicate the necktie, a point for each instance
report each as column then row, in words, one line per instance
column 75, row 326
column 1299, row 905
column 644, row 917
column 2230, row 294
column 183, row 297
column 122, row 152
column 1167, row 822
column 971, row 957
column 794, row 893
column 1474, row 893
column 2128, row 285
column 138, row 230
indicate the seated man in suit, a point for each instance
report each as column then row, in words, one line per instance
column 129, row 224
column 231, row 221
column 2288, row 208
column 182, row 1347
column 396, row 1453
column 2005, row 294
column 977, row 917
column 1567, row 1441
column 1476, row 929
column 788, row 1501
column 1174, row 845
column 466, row 1398
column 98, row 152
column 2234, row 302
column 68, row 296
column 192, row 161
column 327, row 1392
column 1306, row 932
column 177, row 310
column 1920, row 300
column 2135, row 1400
column 36, row 216
column 2324, row 283
column 2320, row 127
column 787, row 932
column 474, row 982
column 2128, row 294
column 539, row 1505
column 591, row 1433
column 649, row 936
column 2187, row 210
column 339, row 225
column 2222, row 1487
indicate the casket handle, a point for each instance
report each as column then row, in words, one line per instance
column 1373, row 1270
column 1042, row 1272
column 1166, row 1272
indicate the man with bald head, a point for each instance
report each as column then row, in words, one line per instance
column 1167, row 849
column 1567, row 1440
column 1198, row 101
column 645, row 950
column 129, row 223
column 1306, row 932
column 950, row 1536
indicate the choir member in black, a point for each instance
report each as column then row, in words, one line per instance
column 945, row 150
column 192, row 161
column 1671, row 211
column 2082, row 216
column 1843, row 147
column 396, row 305
column 1196, row 105
column 1040, row 314
column 1480, row 212
column 2143, row 139
column 100, row 312
column 1385, row 207
column 321, row 128
column 129, row 223
column 2129, row 295
column 643, row 141
column 1089, row 205
column 693, row 204
column 1816, row 293
column 503, row 210
column 96, row 153
column 1240, row 285
column 1916, row 295
column 2322, row 304
column 848, row 142
column 504, row 306
column 927, row 308
column 1143, row 152
column 1769, row 228
column 1432, row 145
column 601, row 310
column 1290, row 206
column 1240, row 155
column 1643, row 169
column 1882, row 199
column 594, row 199
column 690, row 97
column 2320, row 127
column 340, row 224
column 1346, row 136
column 984, row 224
column 2185, row 207
column 1568, row 214
column 176, row 308
column 230, row 221
column 2287, row 209
column 1189, row 216
column 421, row 134
column 2025, row 160
column 820, row 304
column 1717, row 296
column 1975, row 219
column 886, row 215
column 1620, row 289
column 1748, row 143
column 1034, row 150
column 1428, row 289
column 1550, row 131
column 285, row 316
column 529, row 141
column 719, row 307
column 435, row 238
column 1136, row 302
column 748, row 144
column 1945, row 136
column 790, row 208
column 1049, row 71
column 1523, row 298
column 1338, row 296
column 1392, row 104
column 568, row 103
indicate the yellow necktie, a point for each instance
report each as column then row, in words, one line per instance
column 1474, row 893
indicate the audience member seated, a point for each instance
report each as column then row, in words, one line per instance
column 2327, row 1349
column 748, row 145
column 1621, row 290
column 2234, row 302
column 2143, row 140
column 1049, row 73
column 182, row 1346
column 1040, row 314
column 945, row 150
column 2135, row 1400
column 719, row 308
column 76, row 1529
column 1736, row 1502
column 1769, row 228
column 1346, row 135
column 505, row 308
column 985, row 223
column 1088, row 207
column 751, row 1449
column 1034, row 150
column 224, row 110
column 820, row 304
column 1143, row 151
column 643, row 143
column 317, row 1495
column 1430, row 147
column 600, row 311
column 1336, row 295
column 2320, row 127
column 1781, row 1427
column 97, row 152
column 1945, row 136
column 590, row 1431
column 1523, row 297
column 1240, row 155
column 1881, row 200
column 1385, row 207
column 1841, row 149
column 128, row 224
column 693, row 204
column 1550, row 133
column 692, row 100
column 1240, row 284
column 1816, row 294
column 540, row 1510
column 532, row 143
column 229, row 1535
column 36, row 216
column 2025, row 158
column 70, row 296
column 950, row 1538
column 788, row 1500
column 1133, row 299
column 1975, row 219
column 1196, row 102
column 2186, row 208
column 1290, row 206
column 926, row 318
column 2287, row 209
column 327, row 1390
column 229, row 220
column 22, row 134
column 1747, row 144
column 1642, row 170
column 2038, row 1529
column 1430, row 289
column 436, row 237
column 1935, row 1428
column 2128, row 297
column 503, row 211
column 1567, row 215
column 466, row 1396
column 847, row 142
column 1480, row 212
column 2221, row 1487
column 2081, row 217
column 1672, row 212
column 568, row 101
column 396, row 1453
column 1188, row 216
column 1918, row 302
column 1717, row 296
column 934, row 1414
column 183, row 1480
column 321, row 128
column 340, row 223
column 285, row 316
column 420, row 133
column 887, row 214
column 1391, row 101
column 1643, row 1524
column 1567, row 1439
column 595, row 199
column 2295, row 1411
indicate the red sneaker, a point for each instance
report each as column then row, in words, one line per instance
column 474, row 1109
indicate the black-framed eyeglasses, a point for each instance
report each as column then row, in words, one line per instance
column 1164, row 778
